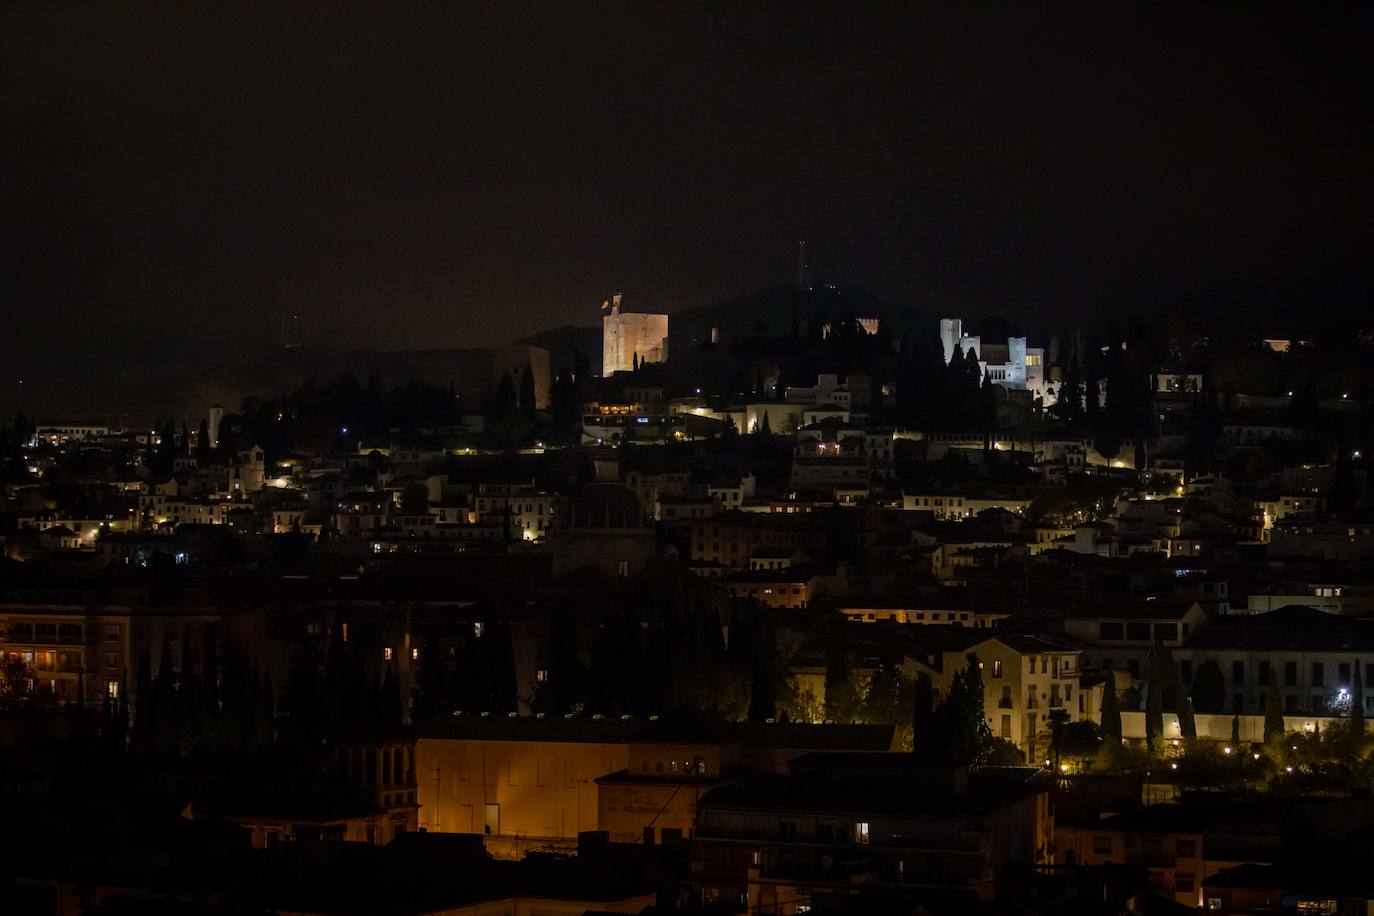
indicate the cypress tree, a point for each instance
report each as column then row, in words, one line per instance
column 763, row 681
column 166, row 453
column 923, row 737
column 1273, row 710
column 121, row 722
column 504, row 687
column 431, row 698
column 962, row 717
column 165, row 713
column 235, row 715
column 527, row 397
column 1357, row 702
column 560, row 692
column 1209, row 687
column 187, row 707
column 1069, row 405
column 208, row 694
column 839, row 694
column 1154, row 707
column 1091, row 389
column 956, row 367
column 1187, row 720
column 1111, row 709
column 107, row 717
column 762, row 690
column 141, row 738
column 506, row 400
column 973, row 375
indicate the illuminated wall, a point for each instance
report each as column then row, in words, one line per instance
column 525, row 788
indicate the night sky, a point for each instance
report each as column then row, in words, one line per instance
column 460, row 175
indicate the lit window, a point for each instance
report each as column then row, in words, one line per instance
column 415, row 655
column 386, row 653
column 112, row 689
column 477, row 628
column 861, row 833
column 542, row 675
column 996, row 667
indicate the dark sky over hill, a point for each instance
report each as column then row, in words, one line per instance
column 177, row 177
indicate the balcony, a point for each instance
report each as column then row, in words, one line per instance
column 18, row 639
column 59, row 668
column 1004, row 703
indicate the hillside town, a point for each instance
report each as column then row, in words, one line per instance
column 841, row 612
column 686, row 459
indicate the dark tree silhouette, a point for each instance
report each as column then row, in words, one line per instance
column 1209, row 688
column 527, row 397
column 1273, row 709
column 1111, row 709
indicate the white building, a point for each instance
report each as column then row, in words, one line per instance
column 627, row 335
column 530, row 511
column 1025, row 679
column 1310, row 655
column 1012, row 365
column 855, row 390
column 71, row 432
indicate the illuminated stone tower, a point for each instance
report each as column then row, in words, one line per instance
column 627, row 335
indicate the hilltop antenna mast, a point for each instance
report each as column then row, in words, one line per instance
column 803, row 274
column 290, row 331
